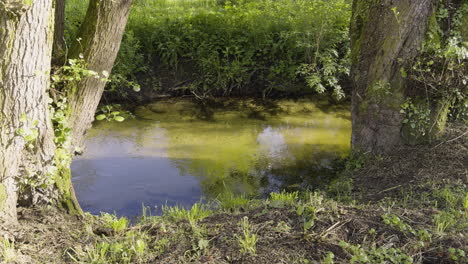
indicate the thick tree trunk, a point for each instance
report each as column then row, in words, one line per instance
column 26, row 133
column 385, row 36
column 59, row 47
column 32, row 168
column 100, row 42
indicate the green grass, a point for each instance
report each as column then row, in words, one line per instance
column 7, row 251
column 221, row 47
column 118, row 225
column 283, row 199
column 248, row 240
column 178, row 213
column 230, row 202
column 179, row 235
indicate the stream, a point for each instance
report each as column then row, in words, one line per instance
column 174, row 153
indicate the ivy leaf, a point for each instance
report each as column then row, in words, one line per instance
column 100, row 117
column 119, row 118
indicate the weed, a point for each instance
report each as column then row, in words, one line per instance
column 443, row 221
column 280, row 200
column 131, row 248
column 117, row 224
column 195, row 214
column 329, row 258
column 457, row 255
column 395, row 221
column 230, row 202
column 341, row 188
column 8, row 252
column 447, row 196
column 248, row 240
column 465, row 202
column 282, row 227
column 375, row 255
column 160, row 246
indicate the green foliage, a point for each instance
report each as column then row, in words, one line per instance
column 375, row 255
column 29, row 131
column 444, row 221
column 458, row 255
column 7, row 251
column 248, row 240
column 231, row 47
column 329, row 258
column 396, row 222
column 280, row 200
column 341, row 188
column 117, row 224
column 195, row 214
column 440, row 72
column 309, row 209
column 448, row 197
column 417, row 116
column 112, row 112
column 125, row 246
column 230, row 202
column 3, row 195
column 130, row 61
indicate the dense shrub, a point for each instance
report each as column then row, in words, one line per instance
column 238, row 47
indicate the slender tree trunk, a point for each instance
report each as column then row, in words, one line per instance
column 26, row 133
column 385, row 36
column 59, row 47
column 99, row 44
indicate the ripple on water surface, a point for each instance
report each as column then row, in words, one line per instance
column 176, row 153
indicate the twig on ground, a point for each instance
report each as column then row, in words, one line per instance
column 453, row 139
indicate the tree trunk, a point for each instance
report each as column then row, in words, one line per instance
column 59, row 47
column 385, row 36
column 33, row 169
column 26, row 138
column 99, row 44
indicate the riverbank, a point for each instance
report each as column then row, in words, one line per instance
column 407, row 207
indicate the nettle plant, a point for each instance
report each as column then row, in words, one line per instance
column 417, row 116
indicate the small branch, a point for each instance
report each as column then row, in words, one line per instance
column 389, row 189
column 334, row 226
column 453, row 139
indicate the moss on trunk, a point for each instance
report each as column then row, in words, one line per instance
column 385, row 37
column 67, row 197
column 2, row 196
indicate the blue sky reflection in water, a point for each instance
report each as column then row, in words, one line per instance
column 169, row 154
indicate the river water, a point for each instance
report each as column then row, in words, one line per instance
column 175, row 153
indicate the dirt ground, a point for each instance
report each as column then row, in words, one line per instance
column 392, row 185
column 416, row 168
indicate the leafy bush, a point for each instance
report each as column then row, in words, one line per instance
column 237, row 47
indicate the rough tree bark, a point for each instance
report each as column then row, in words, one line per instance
column 59, row 46
column 385, row 36
column 26, row 133
column 28, row 154
column 99, row 44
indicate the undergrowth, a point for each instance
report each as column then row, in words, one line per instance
column 236, row 47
